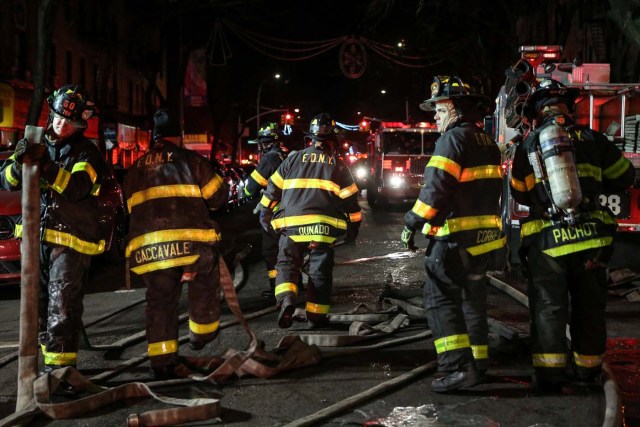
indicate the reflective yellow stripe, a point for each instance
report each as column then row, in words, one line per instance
column 349, row 191
column 61, row 181
column 323, row 184
column 617, row 169
column 71, row 241
column 286, row 287
column 579, row 246
column 585, row 361
column 203, row 328
column 424, row 210
column 480, row 172
column 487, row 247
column 162, row 347
column 530, row 181
column 261, row 180
column 194, row 235
column 518, row 185
column 52, row 358
column 268, row 203
column 164, row 264
column 446, row 165
column 277, row 179
column 587, row 170
column 452, row 342
column 455, row 225
column 272, row 273
column 297, row 220
column 313, row 238
column 480, row 351
column 211, row 187
column 355, row 217
column 317, row 308
column 85, row 167
column 178, row 190
column 95, row 191
column 533, row 227
column 10, row 178
column 549, row 360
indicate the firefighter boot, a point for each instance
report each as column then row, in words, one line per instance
column 270, row 294
column 287, row 308
column 457, row 380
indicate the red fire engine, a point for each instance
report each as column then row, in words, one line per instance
column 397, row 155
column 610, row 108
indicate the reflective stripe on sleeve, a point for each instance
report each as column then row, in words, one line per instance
column 617, row 169
column 423, row 210
column 261, row 180
column 211, row 187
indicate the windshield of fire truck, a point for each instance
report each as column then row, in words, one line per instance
column 408, row 142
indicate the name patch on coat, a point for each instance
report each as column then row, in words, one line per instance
column 314, row 230
column 162, row 251
column 581, row 231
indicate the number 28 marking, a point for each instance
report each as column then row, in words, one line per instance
column 612, row 202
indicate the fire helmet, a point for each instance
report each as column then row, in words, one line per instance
column 268, row 136
column 322, row 127
column 71, row 102
column 165, row 124
column 452, row 88
column 549, row 92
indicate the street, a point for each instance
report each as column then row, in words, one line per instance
column 375, row 264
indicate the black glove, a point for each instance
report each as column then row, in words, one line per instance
column 265, row 219
column 21, row 149
column 352, row 233
column 38, row 153
column 407, row 237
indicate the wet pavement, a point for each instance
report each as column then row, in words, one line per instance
column 363, row 271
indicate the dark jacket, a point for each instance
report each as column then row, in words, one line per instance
column 318, row 199
column 602, row 169
column 261, row 174
column 170, row 191
column 68, row 202
column 459, row 201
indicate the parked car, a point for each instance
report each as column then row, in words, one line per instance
column 112, row 221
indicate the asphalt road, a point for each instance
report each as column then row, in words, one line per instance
column 363, row 271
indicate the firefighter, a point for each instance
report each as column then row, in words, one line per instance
column 71, row 171
column 567, row 238
column 271, row 144
column 318, row 203
column 172, row 240
column 458, row 211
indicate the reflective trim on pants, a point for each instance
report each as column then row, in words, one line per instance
column 549, row 360
column 452, row 342
column 480, row 351
column 203, row 328
column 585, row 361
column 162, row 347
column 53, row 358
column 317, row 308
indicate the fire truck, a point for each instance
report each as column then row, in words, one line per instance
column 610, row 108
column 397, row 155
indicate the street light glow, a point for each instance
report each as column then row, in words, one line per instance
column 383, row 91
column 277, row 76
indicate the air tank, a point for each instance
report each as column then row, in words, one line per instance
column 559, row 161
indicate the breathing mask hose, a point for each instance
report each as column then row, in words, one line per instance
column 560, row 165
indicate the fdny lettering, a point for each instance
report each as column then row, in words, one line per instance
column 155, row 159
column 317, row 158
column 314, row 230
column 162, row 251
column 485, row 236
column 576, row 135
column 562, row 235
column 483, row 139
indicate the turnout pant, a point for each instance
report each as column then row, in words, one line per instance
column 163, row 295
column 63, row 273
column 455, row 298
column 291, row 260
column 562, row 290
column 270, row 253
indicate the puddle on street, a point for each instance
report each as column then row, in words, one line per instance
column 428, row 416
column 393, row 256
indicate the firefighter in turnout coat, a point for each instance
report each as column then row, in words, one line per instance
column 567, row 241
column 270, row 142
column 318, row 203
column 72, row 169
column 458, row 211
column 172, row 239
